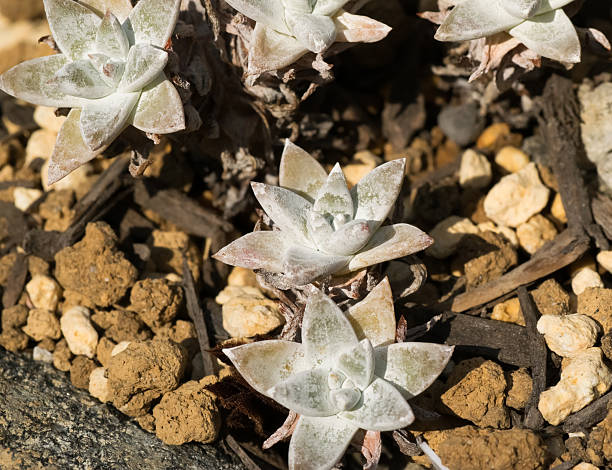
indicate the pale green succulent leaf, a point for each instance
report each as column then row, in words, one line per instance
column 473, row 19
column 31, row 81
column 152, row 22
column 271, row 50
column 374, row 317
column 120, row 8
column 349, row 238
column 319, row 443
column 81, row 79
column 328, row 7
column 320, row 229
column 412, row 367
column 521, row 8
column 383, row 408
column 306, row 393
column 257, row 250
column 358, row 364
column 549, row 5
column 302, row 266
column 73, row 26
column 551, row 35
column 334, row 197
column 110, row 70
column 375, row 194
column 288, row 210
column 302, row 6
column 264, row 364
column 390, row 242
column 315, row 32
column 300, row 172
column 110, row 38
column 70, row 151
column 144, row 63
column 160, row 109
column 104, row 119
column 326, row 331
column 268, row 12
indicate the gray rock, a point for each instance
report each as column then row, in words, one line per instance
column 461, row 123
column 47, row 423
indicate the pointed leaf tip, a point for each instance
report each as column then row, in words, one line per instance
column 152, row 22
column 300, row 172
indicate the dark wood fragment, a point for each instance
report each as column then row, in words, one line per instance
column 588, row 416
column 560, row 122
column 493, row 339
column 602, row 212
column 15, row 281
column 196, row 314
column 17, row 183
column 247, row 461
column 567, row 465
column 566, row 248
column 539, row 355
column 16, row 224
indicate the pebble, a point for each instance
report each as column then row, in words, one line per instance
column 475, row 170
column 509, row 311
column 98, row 385
column 25, row 197
column 516, row 197
column 119, row 348
column 62, row 356
column 557, row 209
column 461, row 123
column 45, row 117
column 566, row 335
column 596, row 302
column 42, row 355
column 534, row 233
column 40, row 145
column 44, row 292
column 81, row 336
column 584, row 279
column 353, row 172
column 242, row 277
column 42, row 324
column 520, row 386
column 511, row 159
column 492, row 135
column 156, row 301
column 585, row 466
column 551, row 299
column 604, row 258
column 584, row 378
column 507, row 232
column 448, row 233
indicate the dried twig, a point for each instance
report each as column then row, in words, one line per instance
column 283, row 432
column 247, row 461
column 588, row 416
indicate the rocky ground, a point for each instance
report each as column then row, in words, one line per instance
column 108, row 286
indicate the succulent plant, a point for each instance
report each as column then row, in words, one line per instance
column 285, row 30
column 110, row 72
column 325, row 228
column 541, row 25
column 346, row 375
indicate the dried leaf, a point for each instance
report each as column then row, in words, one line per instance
column 359, row 28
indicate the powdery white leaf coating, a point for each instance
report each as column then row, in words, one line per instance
column 73, row 26
column 318, row 443
column 31, row 81
column 103, row 120
column 374, row 316
column 551, row 35
column 268, row 12
column 375, row 194
column 70, row 150
column 315, row 32
column 349, row 238
column 332, row 379
column 271, row 50
column 160, row 109
column 325, row 330
column 334, row 198
column 300, row 173
column 144, row 63
column 257, row 250
column 390, row 242
column 521, row 8
column 383, row 409
column 302, row 6
column 120, row 8
column 412, row 367
column 359, row 28
column 81, row 79
column 302, row 265
column 152, row 22
column 328, row 7
column 263, row 364
column 110, row 38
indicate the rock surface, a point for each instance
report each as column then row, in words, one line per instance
column 568, row 334
column 45, row 421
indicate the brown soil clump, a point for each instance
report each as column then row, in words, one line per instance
column 42, row 324
column 121, row 325
column 156, row 301
column 80, row 370
column 596, row 302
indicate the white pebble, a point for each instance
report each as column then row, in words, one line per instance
column 604, row 258
column 45, row 117
column 565, row 335
column 120, row 347
column 534, row 233
column 584, row 279
column 44, row 292
column 584, row 378
column 507, row 232
column 81, row 336
column 98, row 385
column 448, row 233
column 25, row 197
column 42, row 355
column 516, row 197
column 475, row 170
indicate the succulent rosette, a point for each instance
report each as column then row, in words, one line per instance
column 541, row 25
column 110, row 72
column 285, row 30
column 346, row 375
column 325, row 228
